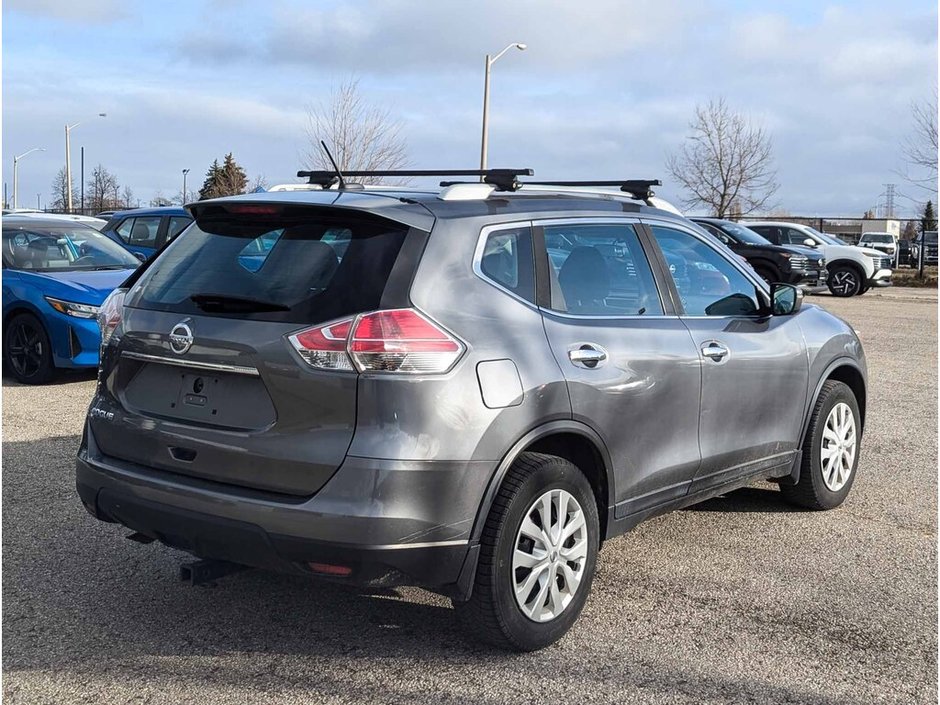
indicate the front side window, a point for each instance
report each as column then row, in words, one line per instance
column 507, row 260
column 600, row 270
column 708, row 284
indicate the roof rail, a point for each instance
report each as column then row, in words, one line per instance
column 639, row 189
column 502, row 179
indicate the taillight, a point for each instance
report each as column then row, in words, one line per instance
column 324, row 347
column 400, row 340
column 110, row 315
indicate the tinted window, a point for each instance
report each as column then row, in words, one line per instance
column 600, row 270
column 770, row 232
column 176, row 225
column 708, row 284
column 282, row 263
column 507, row 260
column 139, row 232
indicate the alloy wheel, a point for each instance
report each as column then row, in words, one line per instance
column 839, row 441
column 845, row 282
column 549, row 556
column 25, row 349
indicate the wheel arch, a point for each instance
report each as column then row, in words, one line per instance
column 847, row 371
column 569, row 439
column 19, row 307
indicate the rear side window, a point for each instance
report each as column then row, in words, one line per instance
column 600, row 270
column 176, row 225
column 141, row 232
column 507, row 261
column 274, row 268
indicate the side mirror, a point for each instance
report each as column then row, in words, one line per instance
column 809, row 242
column 786, row 299
column 140, row 256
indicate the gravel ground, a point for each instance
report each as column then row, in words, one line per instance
column 740, row 599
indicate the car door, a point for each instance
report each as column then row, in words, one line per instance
column 754, row 367
column 629, row 362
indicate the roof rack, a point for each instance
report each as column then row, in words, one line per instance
column 501, row 179
column 639, row 189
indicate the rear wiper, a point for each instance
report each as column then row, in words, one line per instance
column 235, row 304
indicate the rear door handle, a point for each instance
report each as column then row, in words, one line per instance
column 588, row 355
column 714, row 350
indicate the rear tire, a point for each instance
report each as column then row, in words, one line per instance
column 559, row 582
column 826, row 472
column 844, row 281
column 27, row 352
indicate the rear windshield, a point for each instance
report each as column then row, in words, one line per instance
column 305, row 268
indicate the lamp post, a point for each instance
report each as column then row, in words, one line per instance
column 15, row 174
column 68, row 161
column 486, row 99
column 183, row 199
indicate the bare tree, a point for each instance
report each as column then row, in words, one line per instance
column 60, row 190
column 920, row 147
column 362, row 137
column 127, row 197
column 726, row 163
column 102, row 190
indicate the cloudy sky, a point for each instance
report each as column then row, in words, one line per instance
column 606, row 88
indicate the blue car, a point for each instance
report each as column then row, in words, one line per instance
column 55, row 276
column 143, row 231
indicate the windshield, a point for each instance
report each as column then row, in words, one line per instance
column 742, row 234
column 877, row 237
column 828, row 239
column 54, row 248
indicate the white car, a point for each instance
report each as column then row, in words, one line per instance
column 883, row 242
column 852, row 270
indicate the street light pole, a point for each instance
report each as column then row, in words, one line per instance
column 16, row 175
column 68, row 161
column 183, row 199
column 484, row 143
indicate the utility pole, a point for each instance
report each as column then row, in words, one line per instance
column 68, row 160
column 183, row 199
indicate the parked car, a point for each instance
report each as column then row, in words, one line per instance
column 883, row 242
column 145, row 230
column 930, row 248
column 448, row 403
column 852, row 270
column 903, row 257
column 790, row 264
column 96, row 223
column 55, row 275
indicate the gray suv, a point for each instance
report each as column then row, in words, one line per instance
column 467, row 389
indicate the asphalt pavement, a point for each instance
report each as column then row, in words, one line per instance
column 740, row 599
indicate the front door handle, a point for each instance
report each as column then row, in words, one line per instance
column 714, row 350
column 588, row 355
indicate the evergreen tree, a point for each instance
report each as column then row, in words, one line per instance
column 928, row 221
column 226, row 180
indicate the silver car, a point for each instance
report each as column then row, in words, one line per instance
column 467, row 389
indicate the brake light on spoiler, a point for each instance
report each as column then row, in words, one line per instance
column 395, row 341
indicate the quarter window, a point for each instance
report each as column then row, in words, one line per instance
column 177, row 224
column 708, row 284
column 600, row 270
column 507, row 261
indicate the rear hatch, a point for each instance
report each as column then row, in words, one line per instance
column 202, row 373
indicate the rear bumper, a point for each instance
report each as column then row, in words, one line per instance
column 374, row 522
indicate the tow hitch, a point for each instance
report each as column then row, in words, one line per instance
column 205, row 571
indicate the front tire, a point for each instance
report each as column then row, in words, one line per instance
column 845, row 281
column 830, row 450
column 27, row 353
column 537, row 556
